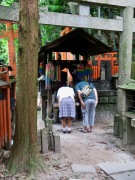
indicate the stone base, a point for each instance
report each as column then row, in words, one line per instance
column 118, row 126
column 48, row 140
column 128, row 131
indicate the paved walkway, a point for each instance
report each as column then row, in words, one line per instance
column 116, row 163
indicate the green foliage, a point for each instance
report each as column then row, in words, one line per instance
column 105, row 12
column 16, row 48
column 55, row 5
column 6, row 2
column 3, row 50
column 4, row 43
column 94, row 11
column 50, row 33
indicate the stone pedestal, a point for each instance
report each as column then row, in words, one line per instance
column 128, row 131
column 57, row 146
column 44, row 140
column 49, row 140
column 48, row 123
column 118, row 126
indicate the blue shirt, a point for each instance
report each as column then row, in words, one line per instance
column 80, row 86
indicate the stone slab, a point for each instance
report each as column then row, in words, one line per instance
column 83, row 168
column 57, row 146
column 62, row 19
column 124, row 176
column 113, row 167
column 44, row 141
column 123, row 3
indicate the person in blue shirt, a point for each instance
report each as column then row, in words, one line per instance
column 88, row 105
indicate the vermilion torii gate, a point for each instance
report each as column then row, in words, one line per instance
column 10, row 34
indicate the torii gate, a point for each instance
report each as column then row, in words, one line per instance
column 10, row 34
column 125, row 24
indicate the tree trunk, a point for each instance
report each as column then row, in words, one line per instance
column 25, row 156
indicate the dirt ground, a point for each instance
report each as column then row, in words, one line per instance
column 82, row 149
column 86, row 149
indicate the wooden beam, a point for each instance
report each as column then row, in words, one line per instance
column 3, row 34
column 6, row 34
column 11, row 48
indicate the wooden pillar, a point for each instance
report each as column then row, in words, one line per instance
column 112, row 65
column 1, row 120
column 50, row 56
column 6, row 91
column 49, row 103
column 11, row 48
column 63, row 56
column 77, row 57
column 56, row 56
column 5, row 121
column 44, row 62
column 44, row 106
column 66, row 55
column 99, row 66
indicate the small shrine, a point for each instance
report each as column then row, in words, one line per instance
column 70, row 56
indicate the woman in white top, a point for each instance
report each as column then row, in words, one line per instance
column 66, row 102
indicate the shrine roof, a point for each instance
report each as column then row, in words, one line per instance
column 78, row 41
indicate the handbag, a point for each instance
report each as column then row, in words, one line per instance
column 86, row 91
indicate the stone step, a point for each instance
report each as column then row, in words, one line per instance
column 83, row 168
column 114, row 167
column 124, row 176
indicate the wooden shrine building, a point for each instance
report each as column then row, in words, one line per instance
column 80, row 44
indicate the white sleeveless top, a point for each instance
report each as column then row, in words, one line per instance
column 64, row 92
